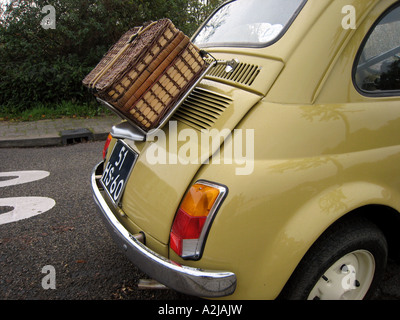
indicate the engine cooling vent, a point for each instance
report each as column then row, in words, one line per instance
column 202, row 108
column 244, row 73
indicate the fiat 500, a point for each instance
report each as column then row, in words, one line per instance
column 278, row 176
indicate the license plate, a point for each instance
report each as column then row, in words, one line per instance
column 117, row 170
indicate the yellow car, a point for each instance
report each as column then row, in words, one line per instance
column 278, row 176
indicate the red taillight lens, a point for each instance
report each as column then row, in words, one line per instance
column 185, row 227
column 106, row 145
column 194, row 217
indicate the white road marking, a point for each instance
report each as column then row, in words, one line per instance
column 24, row 207
column 20, row 177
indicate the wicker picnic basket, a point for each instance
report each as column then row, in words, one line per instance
column 146, row 72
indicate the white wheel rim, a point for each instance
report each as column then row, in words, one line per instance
column 349, row 278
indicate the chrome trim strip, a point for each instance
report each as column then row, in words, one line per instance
column 223, row 191
column 188, row 280
column 125, row 130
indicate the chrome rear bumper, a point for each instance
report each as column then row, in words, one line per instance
column 188, row 280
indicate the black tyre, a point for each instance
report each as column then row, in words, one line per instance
column 346, row 263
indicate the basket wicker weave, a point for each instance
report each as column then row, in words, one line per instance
column 146, row 72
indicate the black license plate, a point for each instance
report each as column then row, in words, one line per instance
column 117, row 170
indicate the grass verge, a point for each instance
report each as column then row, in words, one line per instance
column 64, row 109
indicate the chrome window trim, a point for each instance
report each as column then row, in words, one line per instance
column 245, row 44
column 363, row 92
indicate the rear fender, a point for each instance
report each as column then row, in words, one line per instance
column 292, row 242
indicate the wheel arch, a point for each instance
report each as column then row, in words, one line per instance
column 359, row 199
column 384, row 217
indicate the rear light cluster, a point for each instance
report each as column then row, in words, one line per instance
column 194, row 217
column 106, row 145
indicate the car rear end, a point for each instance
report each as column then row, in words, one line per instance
column 151, row 190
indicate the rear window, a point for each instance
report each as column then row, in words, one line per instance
column 248, row 23
column 377, row 70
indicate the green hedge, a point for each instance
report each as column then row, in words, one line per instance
column 47, row 66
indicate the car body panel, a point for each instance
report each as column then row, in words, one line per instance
column 159, row 188
column 299, row 199
column 321, row 150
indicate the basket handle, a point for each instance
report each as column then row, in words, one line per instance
column 141, row 30
column 94, row 81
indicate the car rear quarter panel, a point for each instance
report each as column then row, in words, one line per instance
column 314, row 163
column 298, row 188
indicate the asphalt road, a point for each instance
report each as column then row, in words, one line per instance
column 69, row 237
column 66, row 245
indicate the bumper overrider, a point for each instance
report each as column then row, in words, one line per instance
column 188, row 280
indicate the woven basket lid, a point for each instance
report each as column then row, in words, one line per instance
column 141, row 44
